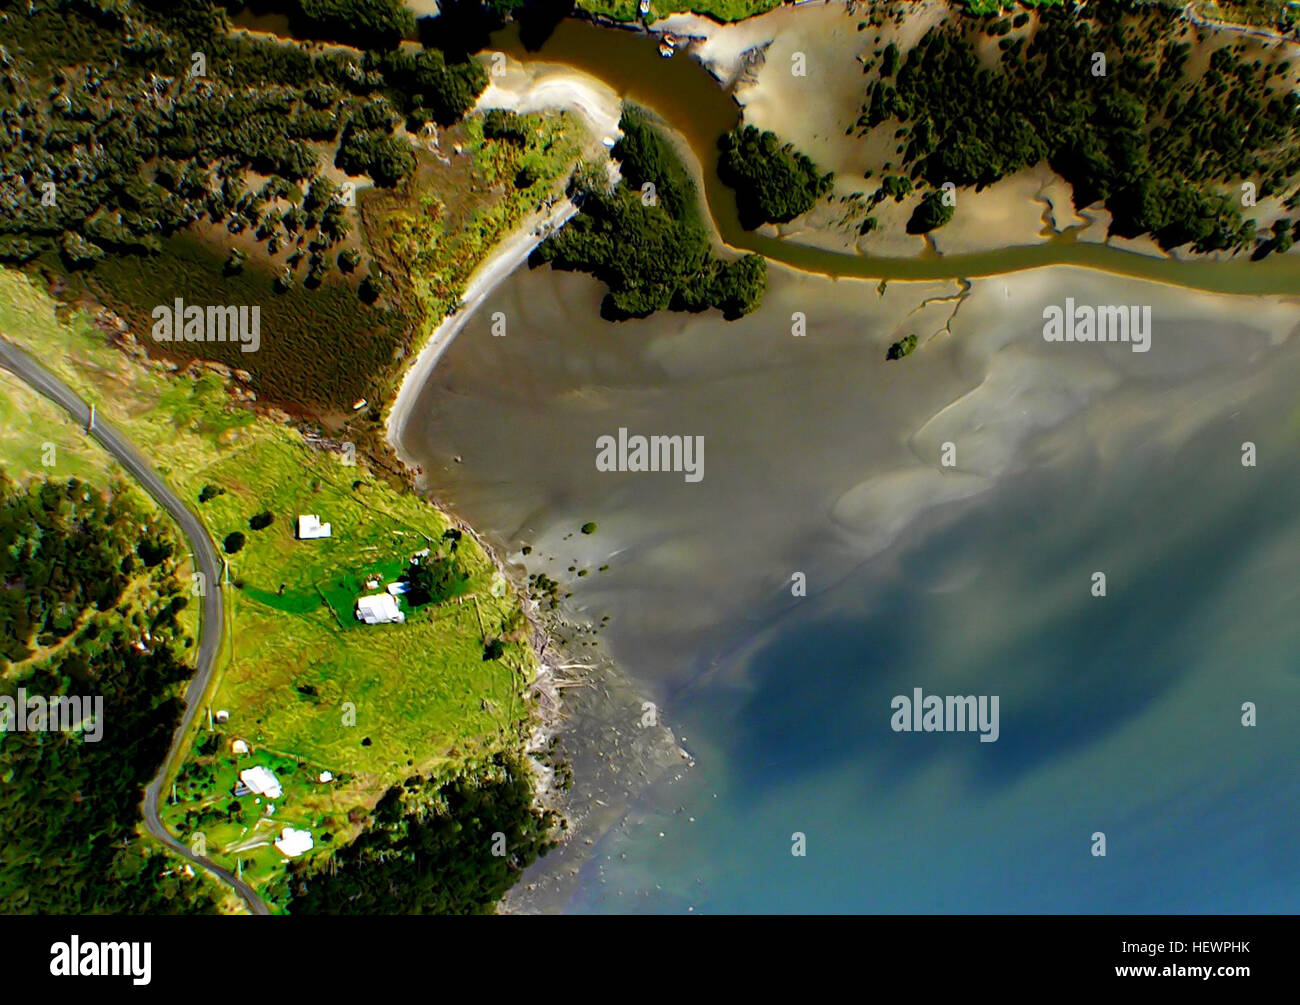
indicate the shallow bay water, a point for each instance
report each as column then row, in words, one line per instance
column 1118, row 714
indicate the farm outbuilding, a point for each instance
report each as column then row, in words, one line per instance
column 261, row 781
column 293, row 842
column 379, row 609
column 310, row 528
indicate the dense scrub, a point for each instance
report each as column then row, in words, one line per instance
column 112, row 155
column 644, row 237
column 1153, row 142
column 774, row 183
column 366, row 23
column 931, row 212
column 114, row 135
column 321, row 348
column 63, row 551
column 433, row 848
column 72, row 808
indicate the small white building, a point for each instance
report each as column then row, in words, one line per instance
column 325, row 777
column 261, row 781
column 310, row 528
column 239, row 747
column 398, row 588
column 293, row 843
column 379, row 609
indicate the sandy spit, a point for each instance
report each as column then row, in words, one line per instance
column 504, row 259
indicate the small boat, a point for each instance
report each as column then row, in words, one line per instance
column 666, row 47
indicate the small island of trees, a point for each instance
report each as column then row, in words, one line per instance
column 774, row 183
column 644, row 238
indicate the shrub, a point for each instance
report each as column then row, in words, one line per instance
column 773, row 183
column 931, row 212
column 903, row 347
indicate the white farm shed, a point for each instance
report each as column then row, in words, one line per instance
column 293, row 843
column 379, row 609
column 261, row 781
column 310, row 528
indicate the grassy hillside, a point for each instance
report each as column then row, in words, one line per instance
column 307, row 687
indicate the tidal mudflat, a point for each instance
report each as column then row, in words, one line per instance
column 1119, row 714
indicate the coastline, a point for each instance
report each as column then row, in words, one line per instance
column 748, row 58
column 524, row 90
column 585, row 713
column 507, row 256
column 582, row 712
column 575, row 714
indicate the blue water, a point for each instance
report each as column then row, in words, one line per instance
column 1119, row 715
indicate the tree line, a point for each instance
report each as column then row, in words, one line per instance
column 644, row 237
column 72, row 809
column 114, row 135
column 1151, row 139
column 433, row 847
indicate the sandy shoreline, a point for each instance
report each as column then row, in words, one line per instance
column 504, row 259
column 526, row 90
column 579, row 720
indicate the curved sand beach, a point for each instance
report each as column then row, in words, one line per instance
column 505, row 258
column 523, row 89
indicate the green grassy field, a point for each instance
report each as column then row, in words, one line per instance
column 308, row 687
column 38, row 439
column 719, row 10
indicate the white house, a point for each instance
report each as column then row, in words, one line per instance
column 261, row 781
column 239, row 747
column 310, row 527
column 379, row 609
column 293, row 843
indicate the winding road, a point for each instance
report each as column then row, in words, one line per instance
column 208, row 563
